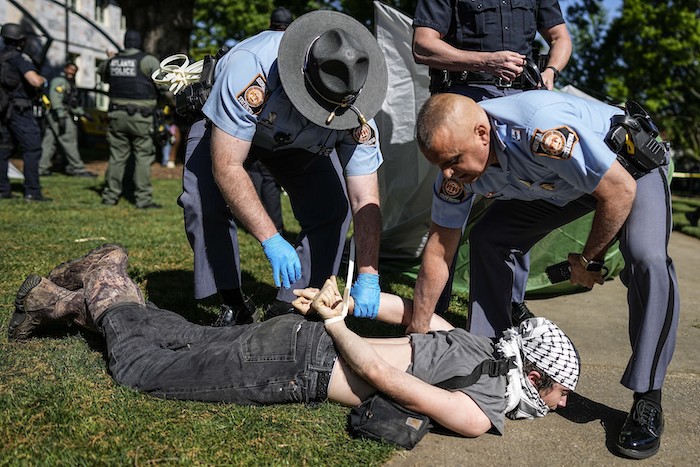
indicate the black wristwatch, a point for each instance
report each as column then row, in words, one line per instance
column 554, row 69
column 590, row 265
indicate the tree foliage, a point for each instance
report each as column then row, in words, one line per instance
column 649, row 53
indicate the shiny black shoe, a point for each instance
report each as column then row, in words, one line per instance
column 278, row 308
column 520, row 312
column 640, row 436
column 240, row 314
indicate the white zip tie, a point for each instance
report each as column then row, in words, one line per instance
column 178, row 76
column 348, row 286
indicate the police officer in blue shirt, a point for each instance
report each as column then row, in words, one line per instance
column 20, row 81
column 301, row 102
column 547, row 159
column 480, row 49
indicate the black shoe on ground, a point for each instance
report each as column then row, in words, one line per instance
column 36, row 198
column 7, row 196
column 239, row 314
column 278, row 308
column 520, row 312
column 82, row 173
column 150, row 205
column 640, row 436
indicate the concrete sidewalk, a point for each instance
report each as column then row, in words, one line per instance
column 584, row 432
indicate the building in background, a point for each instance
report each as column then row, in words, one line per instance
column 81, row 31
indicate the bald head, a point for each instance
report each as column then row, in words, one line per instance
column 447, row 111
column 454, row 134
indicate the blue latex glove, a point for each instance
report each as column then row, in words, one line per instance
column 284, row 260
column 365, row 292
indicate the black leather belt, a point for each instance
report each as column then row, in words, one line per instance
column 132, row 109
column 471, row 77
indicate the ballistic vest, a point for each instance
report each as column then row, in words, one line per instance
column 127, row 81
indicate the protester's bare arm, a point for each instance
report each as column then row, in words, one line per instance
column 429, row 49
column 387, row 373
column 34, row 79
column 615, row 195
column 363, row 193
column 227, row 155
column 434, row 272
column 559, row 51
column 392, row 309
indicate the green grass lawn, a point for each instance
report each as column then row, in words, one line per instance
column 58, row 404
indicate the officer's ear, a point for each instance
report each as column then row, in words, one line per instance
column 483, row 133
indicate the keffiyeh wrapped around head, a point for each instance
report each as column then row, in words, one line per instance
column 541, row 342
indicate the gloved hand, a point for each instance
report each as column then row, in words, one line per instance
column 365, row 291
column 284, row 260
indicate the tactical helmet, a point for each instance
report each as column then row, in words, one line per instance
column 12, row 31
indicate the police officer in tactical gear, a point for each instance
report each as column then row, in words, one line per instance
column 133, row 99
column 62, row 125
column 19, row 81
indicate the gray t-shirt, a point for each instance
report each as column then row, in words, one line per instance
column 440, row 355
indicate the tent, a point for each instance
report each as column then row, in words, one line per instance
column 406, row 179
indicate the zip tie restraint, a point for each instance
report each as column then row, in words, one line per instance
column 178, row 76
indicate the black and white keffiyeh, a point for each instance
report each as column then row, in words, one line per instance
column 541, row 342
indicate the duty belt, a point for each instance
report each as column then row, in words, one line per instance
column 442, row 80
column 132, row 109
column 471, row 77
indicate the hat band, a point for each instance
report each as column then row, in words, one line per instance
column 338, row 105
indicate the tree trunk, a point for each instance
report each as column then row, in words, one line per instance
column 165, row 26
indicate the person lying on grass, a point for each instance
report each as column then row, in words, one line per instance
column 295, row 358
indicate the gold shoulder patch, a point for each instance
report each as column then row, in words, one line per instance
column 253, row 97
column 557, row 143
column 59, row 89
column 452, row 191
column 364, row 135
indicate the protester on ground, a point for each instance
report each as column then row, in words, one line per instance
column 305, row 114
column 481, row 51
column 132, row 104
column 20, row 82
column 62, row 125
column 291, row 359
column 542, row 156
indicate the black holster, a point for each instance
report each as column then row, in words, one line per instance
column 632, row 137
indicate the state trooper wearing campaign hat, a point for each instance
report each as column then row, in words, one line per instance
column 301, row 102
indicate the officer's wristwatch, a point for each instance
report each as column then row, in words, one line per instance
column 590, row 265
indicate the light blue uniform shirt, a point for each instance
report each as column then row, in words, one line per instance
column 550, row 146
column 248, row 102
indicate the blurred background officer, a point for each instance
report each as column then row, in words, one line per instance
column 20, row 81
column 133, row 99
column 62, row 125
column 480, row 50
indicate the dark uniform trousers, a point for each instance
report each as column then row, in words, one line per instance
column 23, row 127
column 317, row 194
column 513, row 226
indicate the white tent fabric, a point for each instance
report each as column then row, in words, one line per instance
column 405, row 178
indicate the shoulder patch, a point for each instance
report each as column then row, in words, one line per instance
column 364, row 135
column 59, row 89
column 452, row 191
column 557, row 143
column 253, row 97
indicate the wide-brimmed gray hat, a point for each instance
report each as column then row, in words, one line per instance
column 332, row 69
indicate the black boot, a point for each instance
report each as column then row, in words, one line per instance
column 640, row 436
column 519, row 313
